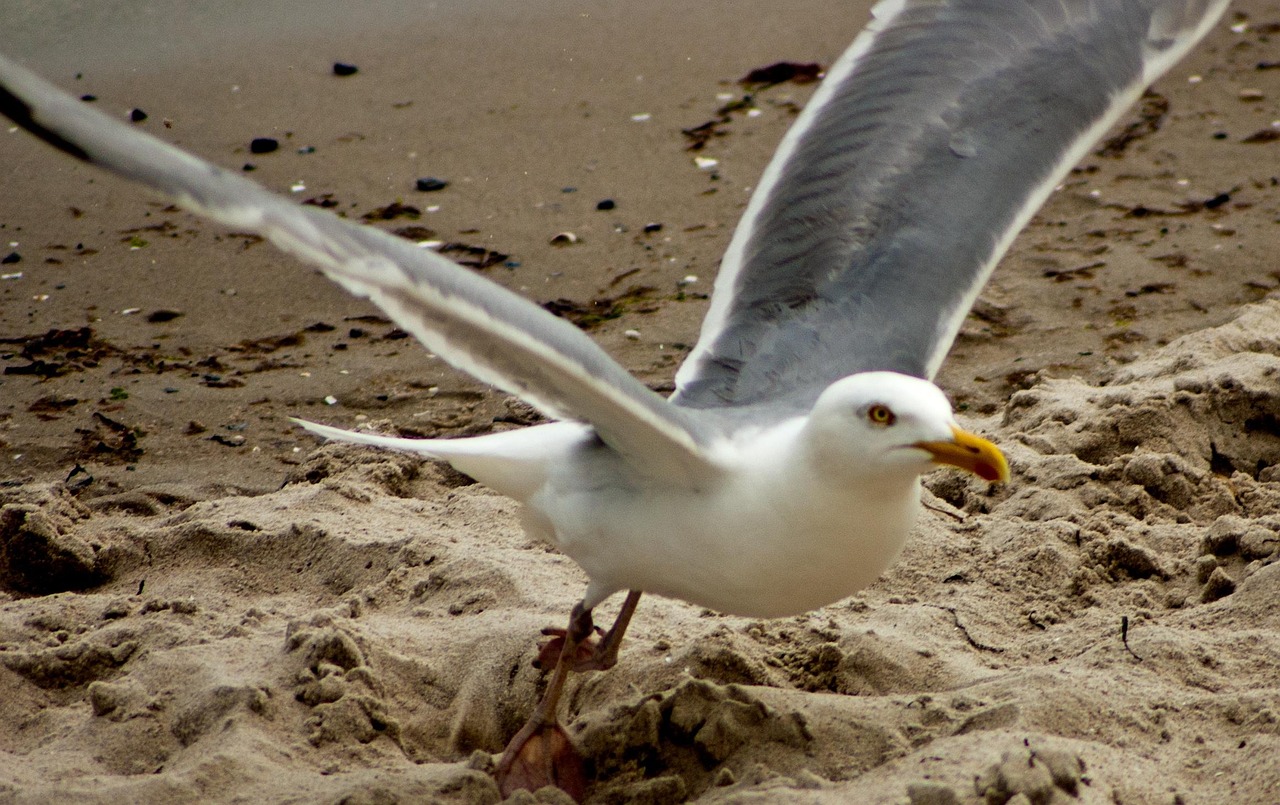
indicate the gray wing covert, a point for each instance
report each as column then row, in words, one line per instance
column 930, row 144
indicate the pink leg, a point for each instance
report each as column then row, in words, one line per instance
column 541, row 753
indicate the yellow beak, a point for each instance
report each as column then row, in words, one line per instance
column 969, row 452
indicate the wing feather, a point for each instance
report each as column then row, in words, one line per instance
column 930, row 144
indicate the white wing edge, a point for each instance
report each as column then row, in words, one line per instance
column 1155, row 63
column 883, row 14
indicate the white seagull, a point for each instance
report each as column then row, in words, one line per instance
column 783, row 473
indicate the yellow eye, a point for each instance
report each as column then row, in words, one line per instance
column 880, row 415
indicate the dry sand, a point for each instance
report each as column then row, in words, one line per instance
column 197, row 603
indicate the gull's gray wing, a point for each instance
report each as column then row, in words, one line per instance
column 478, row 326
column 930, row 144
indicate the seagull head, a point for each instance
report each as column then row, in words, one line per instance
column 893, row 424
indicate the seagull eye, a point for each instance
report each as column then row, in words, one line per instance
column 880, row 415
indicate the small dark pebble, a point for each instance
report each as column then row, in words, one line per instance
column 88, row 98
column 1220, row 135
column 343, row 69
column 339, row 347
column 651, row 228
column 606, row 204
column 249, row 166
column 320, row 327
column 569, row 189
column 356, row 332
column 263, row 145
column 1217, row 201
column 161, row 316
column 170, row 390
column 430, row 184
column 11, row 258
column 137, row 115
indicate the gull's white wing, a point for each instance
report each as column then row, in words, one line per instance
column 478, row 326
column 930, row 144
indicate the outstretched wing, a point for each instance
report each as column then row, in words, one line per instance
column 930, row 144
column 478, row 326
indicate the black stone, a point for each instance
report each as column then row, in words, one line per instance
column 430, row 184
column 263, row 145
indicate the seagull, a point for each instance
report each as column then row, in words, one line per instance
column 783, row 474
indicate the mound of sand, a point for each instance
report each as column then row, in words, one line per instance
column 365, row 633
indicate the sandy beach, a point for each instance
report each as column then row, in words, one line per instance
column 201, row 603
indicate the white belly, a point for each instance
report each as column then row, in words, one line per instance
column 750, row 548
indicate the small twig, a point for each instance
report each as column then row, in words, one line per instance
column 951, row 512
column 1124, row 636
column 955, row 617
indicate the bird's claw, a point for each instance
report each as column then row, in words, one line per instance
column 546, row 756
column 589, row 655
